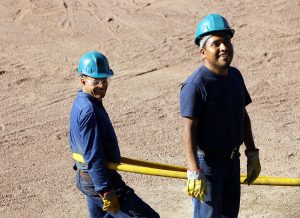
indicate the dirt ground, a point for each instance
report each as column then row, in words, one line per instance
column 149, row 44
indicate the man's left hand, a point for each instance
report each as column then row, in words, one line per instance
column 253, row 166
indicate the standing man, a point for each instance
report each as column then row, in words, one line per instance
column 215, row 124
column 94, row 143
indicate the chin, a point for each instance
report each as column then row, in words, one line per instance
column 99, row 96
column 226, row 64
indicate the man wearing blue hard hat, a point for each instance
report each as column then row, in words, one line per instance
column 213, row 104
column 94, row 143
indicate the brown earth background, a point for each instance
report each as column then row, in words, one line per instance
column 150, row 48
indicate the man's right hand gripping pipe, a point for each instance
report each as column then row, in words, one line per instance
column 196, row 185
column 110, row 202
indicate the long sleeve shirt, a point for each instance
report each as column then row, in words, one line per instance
column 92, row 135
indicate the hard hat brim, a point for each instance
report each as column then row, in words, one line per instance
column 98, row 75
column 230, row 31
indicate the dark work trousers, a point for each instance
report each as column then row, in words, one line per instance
column 130, row 204
column 222, row 177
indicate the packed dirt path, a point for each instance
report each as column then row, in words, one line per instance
column 150, row 48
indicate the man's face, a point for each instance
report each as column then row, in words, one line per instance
column 218, row 51
column 95, row 87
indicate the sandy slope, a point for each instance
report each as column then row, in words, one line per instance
column 149, row 45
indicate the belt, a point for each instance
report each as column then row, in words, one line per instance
column 84, row 175
column 220, row 155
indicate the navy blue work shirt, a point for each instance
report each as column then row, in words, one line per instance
column 218, row 102
column 92, row 135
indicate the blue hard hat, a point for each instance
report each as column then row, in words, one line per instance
column 95, row 65
column 210, row 24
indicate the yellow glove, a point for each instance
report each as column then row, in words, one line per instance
column 253, row 166
column 110, row 202
column 196, row 185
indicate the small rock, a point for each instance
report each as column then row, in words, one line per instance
column 2, row 72
column 110, row 19
column 291, row 155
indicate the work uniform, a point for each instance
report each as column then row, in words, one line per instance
column 218, row 102
column 92, row 136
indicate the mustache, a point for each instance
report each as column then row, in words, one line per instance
column 98, row 89
column 225, row 53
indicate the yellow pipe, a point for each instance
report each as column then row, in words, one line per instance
column 262, row 180
column 146, row 170
column 156, row 165
column 173, row 171
column 78, row 157
column 275, row 181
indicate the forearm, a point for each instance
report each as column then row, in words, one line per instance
column 100, row 176
column 189, row 143
column 94, row 156
column 190, row 153
column 248, row 137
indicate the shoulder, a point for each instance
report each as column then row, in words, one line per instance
column 197, row 77
column 84, row 104
column 86, row 112
column 195, row 86
column 235, row 72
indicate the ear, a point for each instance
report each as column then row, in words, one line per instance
column 202, row 53
column 82, row 81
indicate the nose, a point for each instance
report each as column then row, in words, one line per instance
column 223, row 46
column 100, row 85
